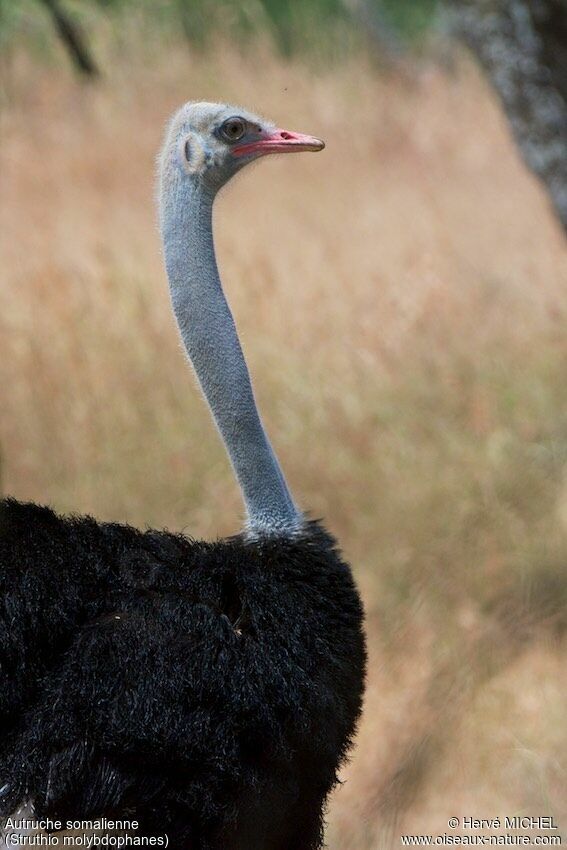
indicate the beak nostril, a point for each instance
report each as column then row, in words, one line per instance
column 285, row 135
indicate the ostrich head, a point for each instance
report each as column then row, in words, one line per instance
column 210, row 142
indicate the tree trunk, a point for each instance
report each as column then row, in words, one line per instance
column 522, row 45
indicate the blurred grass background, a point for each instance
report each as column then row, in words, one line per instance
column 402, row 302
column 309, row 27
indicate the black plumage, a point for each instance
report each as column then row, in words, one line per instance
column 210, row 690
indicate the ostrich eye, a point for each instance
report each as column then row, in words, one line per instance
column 233, row 129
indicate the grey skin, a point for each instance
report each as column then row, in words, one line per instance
column 205, row 145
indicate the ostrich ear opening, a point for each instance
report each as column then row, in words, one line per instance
column 192, row 153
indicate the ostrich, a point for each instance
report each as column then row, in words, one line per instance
column 208, row 690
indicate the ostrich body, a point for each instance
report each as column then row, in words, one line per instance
column 208, row 690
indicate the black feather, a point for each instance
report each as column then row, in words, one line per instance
column 211, row 690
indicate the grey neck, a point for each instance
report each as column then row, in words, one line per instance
column 209, row 334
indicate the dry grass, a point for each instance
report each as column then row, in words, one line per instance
column 402, row 302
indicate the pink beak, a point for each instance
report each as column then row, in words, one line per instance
column 280, row 141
